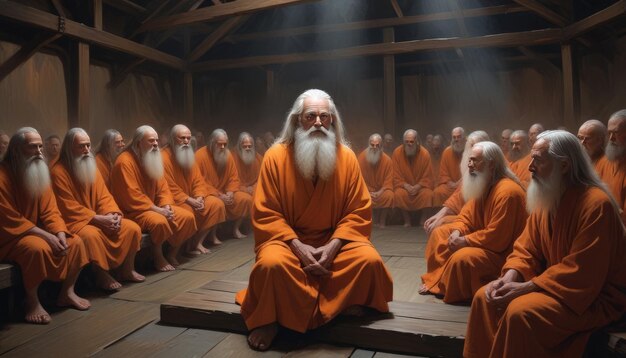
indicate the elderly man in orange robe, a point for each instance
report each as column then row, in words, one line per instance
column 519, row 156
column 111, row 146
column 450, row 168
column 377, row 171
column 32, row 232
column 593, row 137
column 412, row 176
column 466, row 254
column 139, row 185
column 505, row 142
column 453, row 205
column 566, row 275
column 312, row 221
column 248, row 163
column 189, row 189
column 91, row 213
column 52, row 149
column 436, row 151
column 613, row 170
column 220, row 172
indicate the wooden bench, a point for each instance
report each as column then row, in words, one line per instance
column 9, row 276
column 431, row 329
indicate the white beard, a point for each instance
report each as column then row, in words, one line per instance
column 247, row 156
column 515, row 155
column 410, row 151
column 544, row 194
column 221, row 158
column 474, row 185
column 185, row 157
column 465, row 161
column 373, row 156
column 36, row 176
column 153, row 164
column 315, row 155
column 457, row 148
column 84, row 168
column 614, row 152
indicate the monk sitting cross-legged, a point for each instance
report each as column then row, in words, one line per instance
column 378, row 174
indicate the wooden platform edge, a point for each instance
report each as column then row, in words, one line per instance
column 195, row 318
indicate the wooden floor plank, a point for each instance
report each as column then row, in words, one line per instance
column 241, row 273
column 234, row 254
column 362, row 353
column 399, row 248
column 392, row 355
column 148, row 340
column 321, row 350
column 192, row 343
column 236, row 346
column 166, row 288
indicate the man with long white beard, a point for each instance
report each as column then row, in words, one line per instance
column 377, row 171
column 139, row 185
column 219, row 170
column 436, row 151
column 189, row 189
column 519, row 156
column 91, row 213
column 593, row 137
column 613, row 170
column 32, row 232
column 449, row 168
column 466, row 254
column 111, row 146
column 505, row 142
column 312, row 221
column 566, row 275
column 412, row 176
column 248, row 163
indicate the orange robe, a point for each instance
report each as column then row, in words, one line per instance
column 227, row 180
column 19, row 212
column 418, row 171
column 436, row 162
column 190, row 183
column 79, row 203
column 599, row 164
column 449, row 170
column 248, row 174
column 104, row 167
column 378, row 177
column 490, row 226
column 136, row 193
column 613, row 173
column 577, row 261
column 520, row 169
column 287, row 206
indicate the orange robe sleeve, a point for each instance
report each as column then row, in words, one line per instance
column 455, row 202
column 420, row 171
column 12, row 222
column 208, row 170
column 183, row 183
column 520, row 169
column 248, row 174
column 104, row 167
column 449, row 169
column 230, row 179
column 573, row 262
column 614, row 175
column 379, row 178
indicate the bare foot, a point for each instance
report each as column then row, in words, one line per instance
column 105, row 281
column 133, row 276
column 161, row 264
column 407, row 224
column 35, row 313
column 173, row 261
column 215, row 241
column 203, row 250
column 192, row 253
column 356, row 311
column 73, row 300
column 261, row 338
column 423, row 290
column 238, row 235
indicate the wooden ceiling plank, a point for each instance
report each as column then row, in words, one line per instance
column 58, row 6
column 214, row 13
column 544, row 12
column 527, row 38
column 228, row 26
column 26, row 52
column 379, row 23
column 397, row 8
column 42, row 19
column 599, row 18
column 126, row 6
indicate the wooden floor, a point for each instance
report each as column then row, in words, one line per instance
column 127, row 322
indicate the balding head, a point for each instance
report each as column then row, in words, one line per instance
column 534, row 131
column 411, row 142
column 505, row 140
column 458, row 140
column 592, row 136
column 181, row 146
column 519, row 145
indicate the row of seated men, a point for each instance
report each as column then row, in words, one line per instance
column 93, row 208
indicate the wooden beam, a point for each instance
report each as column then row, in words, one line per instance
column 599, row 18
column 544, row 12
column 228, row 26
column 83, row 85
column 528, row 38
column 397, row 8
column 389, row 85
column 26, row 52
column 97, row 14
column 58, row 6
column 458, row 60
column 571, row 92
column 536, row 57
column 380, row 23
column 188, row 96
column 126, row 6
column 42, row 19
column 214, row 13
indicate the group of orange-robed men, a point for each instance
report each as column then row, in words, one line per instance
column 59, row 216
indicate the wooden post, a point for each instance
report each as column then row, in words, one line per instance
column 188, row 97
column 78, row 86
column 571, row 89
column 389, row 86
column 97, row 14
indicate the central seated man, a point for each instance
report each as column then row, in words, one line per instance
column 312, row 221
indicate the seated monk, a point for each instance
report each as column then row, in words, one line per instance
column 613, row 170
column 91, row 213
column 436, row 151
column 519, row 156
column 453, row 205
column 505, row 142
column 450, row 168
column 312, row 221
column 141, row 190
column 220, row 172
column 111, row 146
column 52, row 149
column 566, row 275
column 377, row 171
column 593, row 137
column 189, row 189
column 248, row 163
column 32, row 232
column 466, row 254
column 412, row 176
